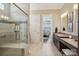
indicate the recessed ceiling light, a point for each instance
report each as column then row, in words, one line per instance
column 64, row 14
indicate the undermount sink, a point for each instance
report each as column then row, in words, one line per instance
column 63, row 36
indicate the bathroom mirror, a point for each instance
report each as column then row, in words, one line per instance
column 67, row 22
column 70, row 22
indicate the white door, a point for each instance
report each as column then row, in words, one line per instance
column 35, row 28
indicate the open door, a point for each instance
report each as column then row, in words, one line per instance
column 47, row 28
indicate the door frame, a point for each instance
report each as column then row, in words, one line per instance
column 42, row 26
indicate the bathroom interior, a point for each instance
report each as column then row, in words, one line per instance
column 18, row 32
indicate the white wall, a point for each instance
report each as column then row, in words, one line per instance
column 35, row 28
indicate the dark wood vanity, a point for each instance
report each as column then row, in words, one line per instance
column 62, row 41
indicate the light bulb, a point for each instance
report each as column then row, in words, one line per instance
column 2, row 16
column 5, row 17
column 70, row 36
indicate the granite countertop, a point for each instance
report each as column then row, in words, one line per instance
column 62, row 35
column 70, row 41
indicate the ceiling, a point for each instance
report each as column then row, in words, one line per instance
column 45, row 6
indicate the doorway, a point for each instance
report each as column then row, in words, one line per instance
column 47, row 28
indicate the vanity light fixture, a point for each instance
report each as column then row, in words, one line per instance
column 64, row 14
column 6, row 17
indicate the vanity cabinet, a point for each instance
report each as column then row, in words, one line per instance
column 64, row 43
column 56, row 41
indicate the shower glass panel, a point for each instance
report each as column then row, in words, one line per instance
column 14, row 29
column 19, row 16
column 16, row 26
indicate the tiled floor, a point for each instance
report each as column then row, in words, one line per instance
column 47, row 49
